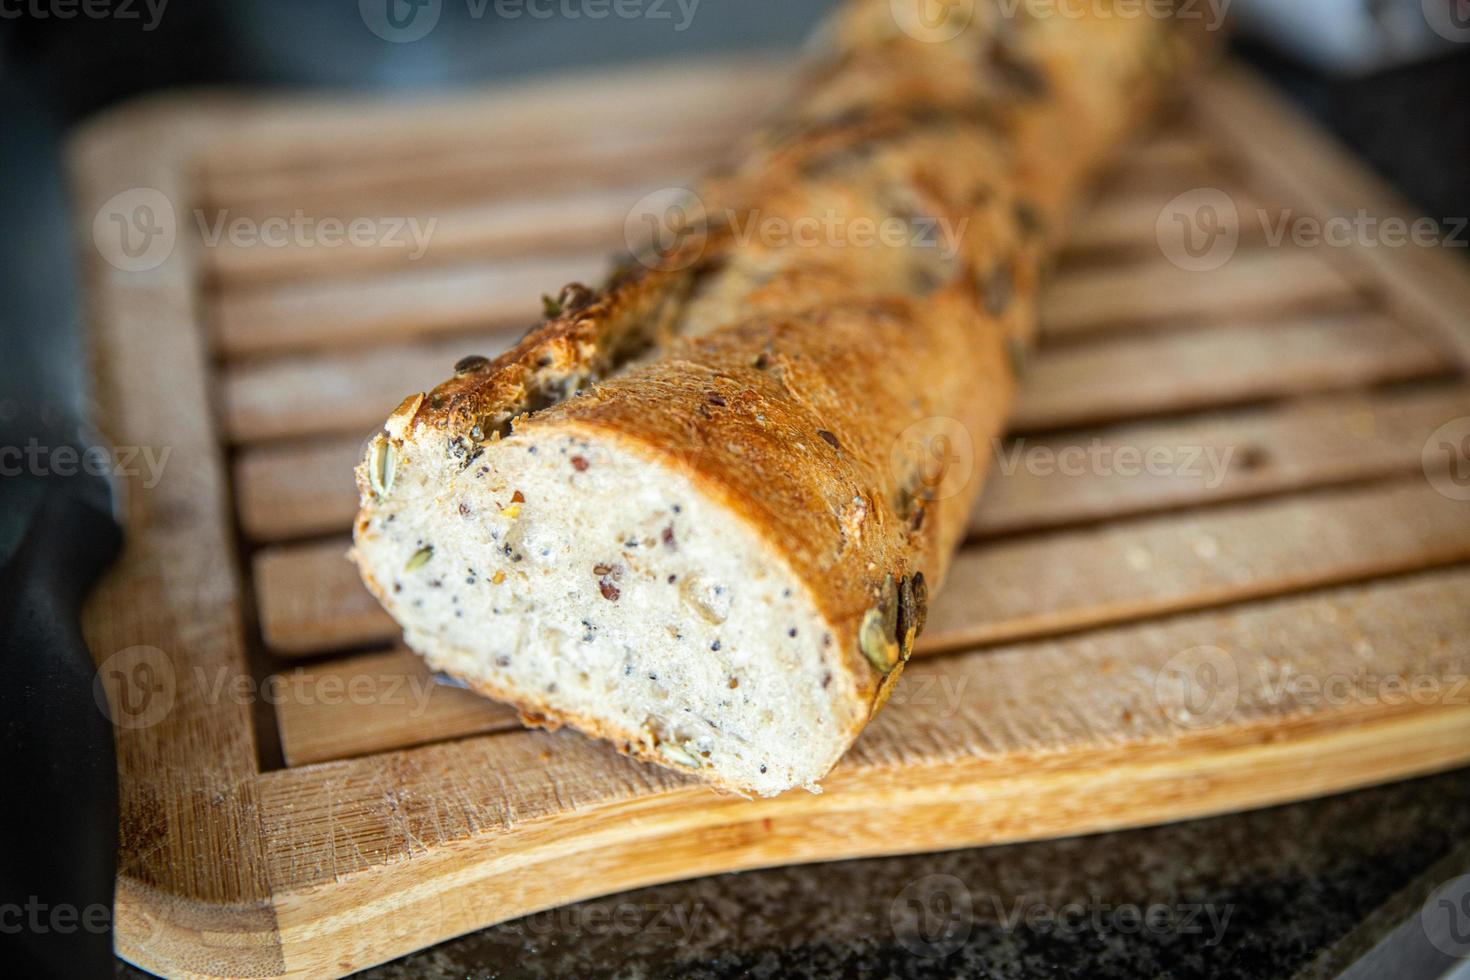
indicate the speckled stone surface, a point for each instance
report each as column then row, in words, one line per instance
column 1273, row 893
column 1262, row 894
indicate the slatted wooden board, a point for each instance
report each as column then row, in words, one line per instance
column 314, row 832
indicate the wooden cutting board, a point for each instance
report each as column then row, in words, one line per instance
column 1223, row 560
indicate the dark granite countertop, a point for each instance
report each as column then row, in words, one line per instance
column 1293, row 891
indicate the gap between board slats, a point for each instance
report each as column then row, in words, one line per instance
column 304, row 490
column 1110, row 676
column 311, row 600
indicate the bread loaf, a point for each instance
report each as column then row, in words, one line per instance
column 699, row 511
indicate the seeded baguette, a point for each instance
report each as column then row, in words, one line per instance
column 699, row 512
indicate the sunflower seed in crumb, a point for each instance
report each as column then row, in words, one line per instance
column 419, row 558
column 381, row 464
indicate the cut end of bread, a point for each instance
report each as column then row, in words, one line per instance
column 583, row 577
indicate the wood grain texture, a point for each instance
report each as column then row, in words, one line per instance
column 315, row 315
column 408, row 814
column 374, row 703
column 1179, row 372
column 1303, row 444
column 306, row 601
column 165, row 621
column 498, row 228
column 1067, row 736
column 1255, row 283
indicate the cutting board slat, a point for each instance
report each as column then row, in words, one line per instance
column 403, row 707
column 1256, row 283
column 1135, row 377
column 352, row 811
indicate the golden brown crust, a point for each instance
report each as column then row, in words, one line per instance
column 811, row 389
